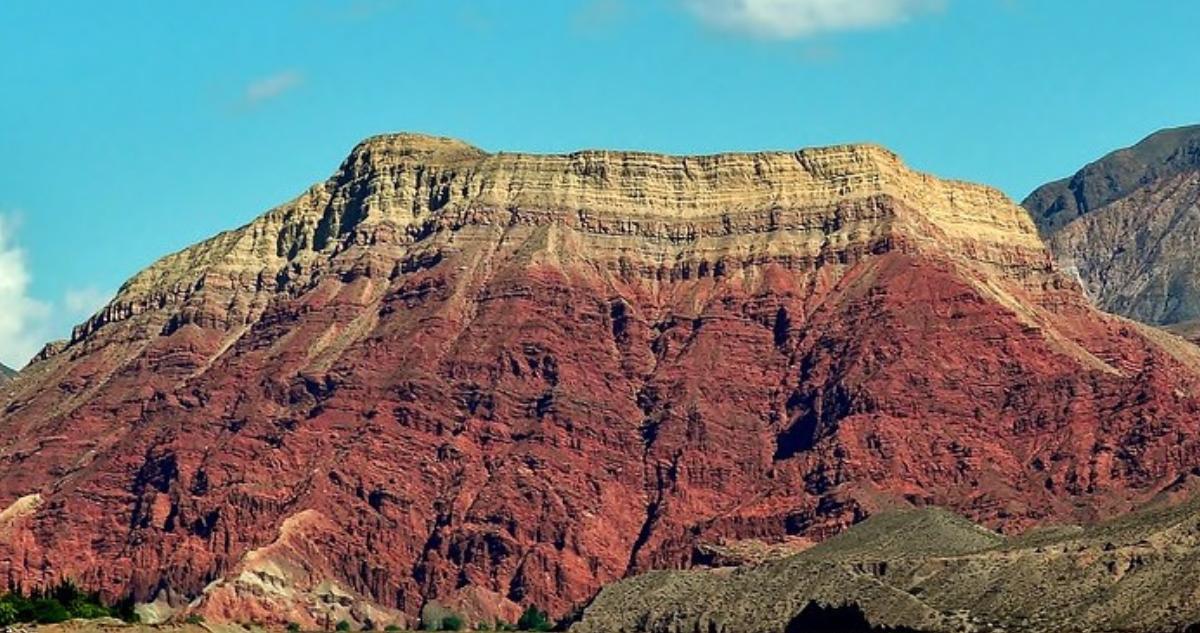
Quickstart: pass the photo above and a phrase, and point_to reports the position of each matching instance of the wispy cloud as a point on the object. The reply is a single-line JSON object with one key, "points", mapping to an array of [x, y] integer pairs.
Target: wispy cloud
{"points": [[81, 303], [598, 15], [266, 88], [23, 327], [26, 323], [789, 19]]}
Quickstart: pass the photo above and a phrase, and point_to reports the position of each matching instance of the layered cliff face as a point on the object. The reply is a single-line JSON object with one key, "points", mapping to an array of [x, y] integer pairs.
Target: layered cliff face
{"points": [[490, 380], [1128, 226]]}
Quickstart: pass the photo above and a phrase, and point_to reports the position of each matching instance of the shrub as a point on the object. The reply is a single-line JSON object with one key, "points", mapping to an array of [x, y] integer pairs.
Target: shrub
{"points": [[88, 610], [452, 622], [62, 602], [49, 611], [194, 618], [293, 627], [534, 619], [342, 625], [124, 611], [391, 628], [19, 605]]}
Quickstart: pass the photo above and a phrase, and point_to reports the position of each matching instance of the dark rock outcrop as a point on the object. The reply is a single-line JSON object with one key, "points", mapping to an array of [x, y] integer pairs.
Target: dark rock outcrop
{"points": [[1160, 156]]}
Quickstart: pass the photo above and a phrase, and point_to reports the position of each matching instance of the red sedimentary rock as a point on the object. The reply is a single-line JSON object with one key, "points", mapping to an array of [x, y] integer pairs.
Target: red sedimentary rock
{"points": [[488, 381]]}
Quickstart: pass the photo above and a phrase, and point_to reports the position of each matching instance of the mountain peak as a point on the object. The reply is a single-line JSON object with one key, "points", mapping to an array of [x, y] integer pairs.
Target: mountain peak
{"points": [[1160, 155], [492, 380], [1125, 226], [414, 144]]}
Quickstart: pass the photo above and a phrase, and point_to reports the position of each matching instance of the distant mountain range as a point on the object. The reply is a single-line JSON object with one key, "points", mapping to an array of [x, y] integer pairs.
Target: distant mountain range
{"points": [[1128, 226], [447, 380]]}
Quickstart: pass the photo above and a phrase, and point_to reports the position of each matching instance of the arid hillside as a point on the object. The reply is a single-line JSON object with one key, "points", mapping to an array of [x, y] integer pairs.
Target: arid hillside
{"points": [[929, 570]]}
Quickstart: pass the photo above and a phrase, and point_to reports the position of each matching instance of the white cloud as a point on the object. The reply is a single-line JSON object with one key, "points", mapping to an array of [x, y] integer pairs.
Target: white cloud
{"points": [[81, 303], [267, 88], [787, 19], [23, 319]]}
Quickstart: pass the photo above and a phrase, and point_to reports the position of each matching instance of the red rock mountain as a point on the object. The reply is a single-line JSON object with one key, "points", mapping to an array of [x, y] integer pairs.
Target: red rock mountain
{"points": [[490, 380]]}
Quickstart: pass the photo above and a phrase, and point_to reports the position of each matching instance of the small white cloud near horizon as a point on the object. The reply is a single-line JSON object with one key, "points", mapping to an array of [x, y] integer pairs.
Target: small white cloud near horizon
{"points": [[82, 303], [791, 19], [264, 89], [23, 319]]}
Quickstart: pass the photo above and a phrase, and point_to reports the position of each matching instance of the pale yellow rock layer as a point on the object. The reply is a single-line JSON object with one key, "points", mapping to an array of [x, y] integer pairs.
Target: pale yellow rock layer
{"points": [[656, 209]]}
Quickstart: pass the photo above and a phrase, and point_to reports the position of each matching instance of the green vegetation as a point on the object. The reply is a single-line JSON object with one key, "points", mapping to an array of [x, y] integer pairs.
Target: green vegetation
{"points": [[342, 625], [194, 618], [391, 628], [292, 627], [534, 619], [64, 602], [435, 617]]}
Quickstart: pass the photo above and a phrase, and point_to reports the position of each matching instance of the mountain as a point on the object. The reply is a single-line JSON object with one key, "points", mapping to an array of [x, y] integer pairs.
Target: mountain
{"points": [[6, 374], [928, 570], [1128, 225], [449, 379]]}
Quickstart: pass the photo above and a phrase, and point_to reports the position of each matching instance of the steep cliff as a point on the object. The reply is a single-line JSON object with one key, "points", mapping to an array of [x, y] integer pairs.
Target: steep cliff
{"points": [[490, 380]]}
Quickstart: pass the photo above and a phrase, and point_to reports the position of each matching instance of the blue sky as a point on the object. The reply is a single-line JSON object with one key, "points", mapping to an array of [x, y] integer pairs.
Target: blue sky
{"points": [[131, 129]]}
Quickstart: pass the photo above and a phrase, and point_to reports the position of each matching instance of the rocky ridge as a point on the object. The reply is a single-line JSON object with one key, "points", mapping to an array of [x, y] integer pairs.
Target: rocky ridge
{"points": [[1128, 227], [490, 380]]}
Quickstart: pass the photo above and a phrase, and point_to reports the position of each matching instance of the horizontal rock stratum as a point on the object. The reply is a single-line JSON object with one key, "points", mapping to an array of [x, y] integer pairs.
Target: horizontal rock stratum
{"points": [[492, 380]]}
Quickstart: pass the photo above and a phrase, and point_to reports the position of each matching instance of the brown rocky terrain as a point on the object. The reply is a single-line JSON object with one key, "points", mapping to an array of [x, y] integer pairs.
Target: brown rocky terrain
{"points": [[491, 380], [1128, 226], [929, 570]]}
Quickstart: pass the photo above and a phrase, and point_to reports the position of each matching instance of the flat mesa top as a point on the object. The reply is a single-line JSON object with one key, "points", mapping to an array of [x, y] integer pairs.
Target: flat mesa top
{"points": [[418, 144], [408, 169], [443, 150], [626, 180], [405, 180]]}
